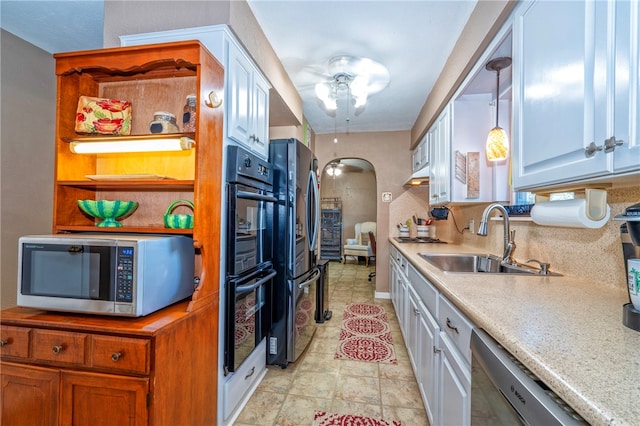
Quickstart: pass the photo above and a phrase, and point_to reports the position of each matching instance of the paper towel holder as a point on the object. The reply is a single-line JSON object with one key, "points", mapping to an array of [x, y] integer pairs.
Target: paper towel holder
{"points": [[596, 199]]}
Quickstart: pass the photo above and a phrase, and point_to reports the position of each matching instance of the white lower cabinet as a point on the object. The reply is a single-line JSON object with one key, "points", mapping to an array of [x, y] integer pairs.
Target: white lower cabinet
{"points": [[454, 386], [437, 337]]}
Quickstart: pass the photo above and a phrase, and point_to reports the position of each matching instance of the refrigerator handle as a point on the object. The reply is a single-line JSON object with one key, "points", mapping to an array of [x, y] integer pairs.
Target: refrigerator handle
{"points": [[312, 228], [313, 277]]}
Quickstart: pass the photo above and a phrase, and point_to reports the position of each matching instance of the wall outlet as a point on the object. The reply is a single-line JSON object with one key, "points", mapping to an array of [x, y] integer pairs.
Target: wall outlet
{"points": [[472, 226]]}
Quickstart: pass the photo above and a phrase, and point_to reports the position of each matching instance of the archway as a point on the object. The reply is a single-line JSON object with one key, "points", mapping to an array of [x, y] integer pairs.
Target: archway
{"points": [[348, 192]]}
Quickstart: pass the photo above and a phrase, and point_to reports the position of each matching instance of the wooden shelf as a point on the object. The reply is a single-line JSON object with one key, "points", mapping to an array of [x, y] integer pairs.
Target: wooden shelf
{"points": [[131, 184], [160, 229]]}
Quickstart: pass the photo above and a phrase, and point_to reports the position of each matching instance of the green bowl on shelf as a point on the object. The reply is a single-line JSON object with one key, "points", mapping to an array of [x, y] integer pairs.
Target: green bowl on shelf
{"points": [[108, 211]]}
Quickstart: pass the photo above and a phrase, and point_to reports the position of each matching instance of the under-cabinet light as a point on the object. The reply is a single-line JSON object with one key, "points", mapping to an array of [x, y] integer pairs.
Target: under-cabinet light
{"points": [[134, 144]]}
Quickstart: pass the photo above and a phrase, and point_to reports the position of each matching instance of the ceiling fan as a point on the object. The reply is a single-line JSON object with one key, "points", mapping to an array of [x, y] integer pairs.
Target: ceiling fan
{"points": [[337, 167], [351, 78]]}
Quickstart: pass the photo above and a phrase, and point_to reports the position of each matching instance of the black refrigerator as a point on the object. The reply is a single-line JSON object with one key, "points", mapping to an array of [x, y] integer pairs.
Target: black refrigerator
{"points": [[295, 244]]}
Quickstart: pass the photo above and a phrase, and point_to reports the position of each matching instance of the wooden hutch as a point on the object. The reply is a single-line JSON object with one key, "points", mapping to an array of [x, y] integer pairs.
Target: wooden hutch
{"points": [[160, 369]]}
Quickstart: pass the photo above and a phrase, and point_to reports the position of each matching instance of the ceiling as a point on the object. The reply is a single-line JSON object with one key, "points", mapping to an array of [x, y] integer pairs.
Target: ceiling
{"points": [[413, 39]]}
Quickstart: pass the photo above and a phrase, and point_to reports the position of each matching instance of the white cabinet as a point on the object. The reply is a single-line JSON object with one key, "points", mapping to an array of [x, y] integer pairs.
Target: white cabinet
{"points": [[248, 98], [439, 141], [422, 339], [399, 291], [420, 155], [454, 386], [246, 94], [575, 90], [437, 337]]}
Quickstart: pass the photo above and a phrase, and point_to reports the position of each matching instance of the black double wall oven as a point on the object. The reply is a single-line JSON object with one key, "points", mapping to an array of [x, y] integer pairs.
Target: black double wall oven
{"points": [[249, 266]]}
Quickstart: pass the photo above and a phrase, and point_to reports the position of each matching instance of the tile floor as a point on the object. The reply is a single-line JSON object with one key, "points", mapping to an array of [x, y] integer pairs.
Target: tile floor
{"points": [[317, 381]]}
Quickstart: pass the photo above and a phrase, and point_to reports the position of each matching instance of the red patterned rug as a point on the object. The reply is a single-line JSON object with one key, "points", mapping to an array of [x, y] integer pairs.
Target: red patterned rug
{"points": [[365, 335], [322, 418]]}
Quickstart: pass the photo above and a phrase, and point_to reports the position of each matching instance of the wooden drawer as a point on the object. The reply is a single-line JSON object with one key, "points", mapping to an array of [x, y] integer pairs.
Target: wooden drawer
{"points": [[455, 325], [121, 353], [58, 346], [14, 341]]}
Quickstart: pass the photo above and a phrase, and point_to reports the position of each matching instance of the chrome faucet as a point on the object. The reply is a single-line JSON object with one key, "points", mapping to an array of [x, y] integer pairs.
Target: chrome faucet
{"points": [[509, 235]]}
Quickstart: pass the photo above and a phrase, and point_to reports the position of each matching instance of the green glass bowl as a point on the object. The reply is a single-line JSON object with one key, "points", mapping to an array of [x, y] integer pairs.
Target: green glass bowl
{"points": [[108, 211]]}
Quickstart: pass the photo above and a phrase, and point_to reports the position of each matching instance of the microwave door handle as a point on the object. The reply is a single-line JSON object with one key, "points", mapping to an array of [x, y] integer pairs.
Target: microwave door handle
{"points": [[250, 287], [259, 197]]}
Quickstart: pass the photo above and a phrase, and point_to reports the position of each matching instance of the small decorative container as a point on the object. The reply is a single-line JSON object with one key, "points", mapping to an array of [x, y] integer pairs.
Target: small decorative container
{"points": [[163, 122], [423, 231], [178, 221], [404, 232], [108, 211], [103, 116], [189, 115]]}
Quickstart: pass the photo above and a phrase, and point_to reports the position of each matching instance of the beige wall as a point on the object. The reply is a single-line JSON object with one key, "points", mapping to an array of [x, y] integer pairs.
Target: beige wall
{"points": [[357, 192], [27, 143], [388, 152]]}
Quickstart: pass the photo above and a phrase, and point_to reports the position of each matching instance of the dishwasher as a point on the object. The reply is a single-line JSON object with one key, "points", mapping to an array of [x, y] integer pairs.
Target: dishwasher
{"points": [[505, 392]]}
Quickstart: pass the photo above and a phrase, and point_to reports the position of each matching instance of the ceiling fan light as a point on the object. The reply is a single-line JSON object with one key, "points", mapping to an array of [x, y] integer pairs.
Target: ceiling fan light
{"points": [[325, 94], [360, 101], [497, 144]]}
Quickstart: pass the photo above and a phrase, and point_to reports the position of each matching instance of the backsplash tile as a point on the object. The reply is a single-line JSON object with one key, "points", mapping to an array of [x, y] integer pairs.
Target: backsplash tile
{"points": [[592, 254]]}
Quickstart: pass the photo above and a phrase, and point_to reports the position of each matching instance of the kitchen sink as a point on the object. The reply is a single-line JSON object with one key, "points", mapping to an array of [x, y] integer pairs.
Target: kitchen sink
{"points": [[478, 263]]}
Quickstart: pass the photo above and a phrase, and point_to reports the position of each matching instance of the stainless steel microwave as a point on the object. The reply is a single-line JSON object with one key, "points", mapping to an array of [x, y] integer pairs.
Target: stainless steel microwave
{"points": [[106, 274]]}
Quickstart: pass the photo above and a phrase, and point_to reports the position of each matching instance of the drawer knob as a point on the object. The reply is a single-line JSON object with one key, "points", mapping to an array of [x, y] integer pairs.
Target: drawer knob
{"points": [[3, 343], [57, 349], [116, 356], [452, 327]]}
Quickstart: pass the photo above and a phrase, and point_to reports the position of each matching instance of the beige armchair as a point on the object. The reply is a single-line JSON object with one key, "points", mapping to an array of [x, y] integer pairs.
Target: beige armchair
{"points": [[360, 245]]}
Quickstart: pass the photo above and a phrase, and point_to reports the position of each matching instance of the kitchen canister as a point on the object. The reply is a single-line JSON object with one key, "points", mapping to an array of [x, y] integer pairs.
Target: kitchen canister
{"points": [[423, 231], [178, 221], [633, 280], [404, 232]]}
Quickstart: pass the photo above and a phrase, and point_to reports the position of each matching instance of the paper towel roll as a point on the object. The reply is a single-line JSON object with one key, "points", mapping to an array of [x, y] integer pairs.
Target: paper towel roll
{"points": [[568, 213]]}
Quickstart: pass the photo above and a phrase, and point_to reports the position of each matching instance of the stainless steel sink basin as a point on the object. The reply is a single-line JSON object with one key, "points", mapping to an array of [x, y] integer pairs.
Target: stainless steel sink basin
{"points": [[477, 263]]}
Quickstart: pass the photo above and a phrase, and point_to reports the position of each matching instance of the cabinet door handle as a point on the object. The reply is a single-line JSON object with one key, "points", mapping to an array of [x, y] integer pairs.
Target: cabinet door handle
{"points": [[417, 312], [611, 144], [452, 327], [590, 151], [57, 349], [115, 357], [253, 370], [3, 343]]}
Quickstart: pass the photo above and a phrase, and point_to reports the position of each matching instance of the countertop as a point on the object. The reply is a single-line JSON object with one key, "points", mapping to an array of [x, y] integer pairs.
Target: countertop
{"points": [[569, 332]]}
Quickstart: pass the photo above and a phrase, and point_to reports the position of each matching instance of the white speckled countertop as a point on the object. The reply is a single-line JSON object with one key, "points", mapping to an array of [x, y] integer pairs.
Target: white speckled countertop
{"points": [[567, 331]]}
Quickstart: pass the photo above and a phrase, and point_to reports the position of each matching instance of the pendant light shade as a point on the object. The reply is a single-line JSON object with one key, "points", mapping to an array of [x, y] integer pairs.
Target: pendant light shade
{"points": [[497, 141]]}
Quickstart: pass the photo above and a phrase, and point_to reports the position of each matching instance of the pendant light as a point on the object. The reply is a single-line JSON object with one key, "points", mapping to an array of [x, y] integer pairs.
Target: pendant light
{"points": [[497, 141]]}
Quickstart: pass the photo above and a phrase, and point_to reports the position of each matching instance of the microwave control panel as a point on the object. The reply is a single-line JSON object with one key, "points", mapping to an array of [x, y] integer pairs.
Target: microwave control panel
{"points": [[124, 282]]}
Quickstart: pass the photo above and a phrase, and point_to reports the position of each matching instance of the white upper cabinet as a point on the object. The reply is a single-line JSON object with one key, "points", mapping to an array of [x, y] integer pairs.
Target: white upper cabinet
{"points": [[439, 141], [576, 91], [247, 120], [420, 155], [246, 98]]}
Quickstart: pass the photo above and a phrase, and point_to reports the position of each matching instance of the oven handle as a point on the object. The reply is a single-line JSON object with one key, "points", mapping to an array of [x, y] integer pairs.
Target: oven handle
{"points": [[244, 288], [314, 276], [259, 197]]}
